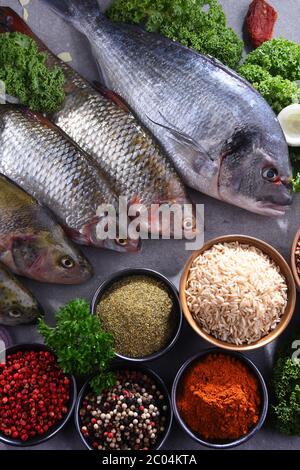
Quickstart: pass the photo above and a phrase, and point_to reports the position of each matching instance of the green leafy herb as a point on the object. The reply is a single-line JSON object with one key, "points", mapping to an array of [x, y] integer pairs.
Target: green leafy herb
{"points": [[26, 76], [80, 343], [199, 24], [278, 56], [286, 393], [273, 69], [279, 92], [295, 159]]}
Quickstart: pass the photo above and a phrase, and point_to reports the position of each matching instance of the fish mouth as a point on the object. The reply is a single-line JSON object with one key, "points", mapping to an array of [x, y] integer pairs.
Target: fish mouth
{"points": [[272, 209]]}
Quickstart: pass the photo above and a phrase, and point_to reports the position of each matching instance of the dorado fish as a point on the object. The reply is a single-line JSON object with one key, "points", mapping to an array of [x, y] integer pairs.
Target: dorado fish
{"points": [[32, 243], [126, 154], [37, 156], [222, 136], [17, 304]]}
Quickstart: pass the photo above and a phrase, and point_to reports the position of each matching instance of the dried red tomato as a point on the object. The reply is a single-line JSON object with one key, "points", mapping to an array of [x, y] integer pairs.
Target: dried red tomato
{"points": [[260, 22]]}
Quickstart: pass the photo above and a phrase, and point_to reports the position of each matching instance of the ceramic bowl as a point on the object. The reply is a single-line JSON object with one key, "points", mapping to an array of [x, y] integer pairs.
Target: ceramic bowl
{"points": [[285, 270]]}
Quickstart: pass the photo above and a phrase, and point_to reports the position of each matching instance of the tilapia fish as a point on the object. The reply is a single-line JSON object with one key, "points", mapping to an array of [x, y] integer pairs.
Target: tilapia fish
{"points": [[32, 243], [129, 158], [37, 156], [222, 136], [17, 304]]}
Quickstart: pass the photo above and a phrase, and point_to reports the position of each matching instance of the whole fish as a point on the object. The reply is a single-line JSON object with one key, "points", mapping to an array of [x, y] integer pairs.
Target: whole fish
{"points": [[32, 243], [222, 136], [127, 155], [17, 304], [37, 156]]}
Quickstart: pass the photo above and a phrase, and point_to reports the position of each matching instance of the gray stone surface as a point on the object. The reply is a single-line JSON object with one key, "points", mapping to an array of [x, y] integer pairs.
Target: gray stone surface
{"points": [[167, 257]]}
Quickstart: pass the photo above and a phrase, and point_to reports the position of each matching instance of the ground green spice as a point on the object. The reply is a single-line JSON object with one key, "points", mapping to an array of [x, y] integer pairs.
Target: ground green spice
{"points": [[138, 311]]}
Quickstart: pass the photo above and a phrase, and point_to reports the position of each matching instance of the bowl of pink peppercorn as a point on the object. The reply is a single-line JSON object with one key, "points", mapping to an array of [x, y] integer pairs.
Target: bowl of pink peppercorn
{"points": [[36, 397]]}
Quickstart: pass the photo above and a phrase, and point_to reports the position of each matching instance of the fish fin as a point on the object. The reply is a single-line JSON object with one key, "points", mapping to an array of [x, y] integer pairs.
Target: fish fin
{"points": [[111, 95], [74, 10], [188, 147]]}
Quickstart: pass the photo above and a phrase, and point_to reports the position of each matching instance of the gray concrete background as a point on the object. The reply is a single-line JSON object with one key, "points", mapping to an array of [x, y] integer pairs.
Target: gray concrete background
{"points": [[167, 257]]}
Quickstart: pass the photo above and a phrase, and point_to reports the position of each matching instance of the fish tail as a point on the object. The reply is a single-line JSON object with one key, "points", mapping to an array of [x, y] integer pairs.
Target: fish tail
{"points": [[74, 11]]}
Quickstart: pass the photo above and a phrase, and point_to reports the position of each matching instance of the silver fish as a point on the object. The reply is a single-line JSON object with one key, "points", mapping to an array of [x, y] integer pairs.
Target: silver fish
{"points": [[127, 155], [37, 156], [17, 304], [222, 136], [32, 243]]}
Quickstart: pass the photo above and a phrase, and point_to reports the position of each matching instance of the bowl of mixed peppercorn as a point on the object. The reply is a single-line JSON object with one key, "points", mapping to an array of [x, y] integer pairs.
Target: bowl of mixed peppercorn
{"points": [[295, 259], [134, 413], [141, 308], [37, 398]]}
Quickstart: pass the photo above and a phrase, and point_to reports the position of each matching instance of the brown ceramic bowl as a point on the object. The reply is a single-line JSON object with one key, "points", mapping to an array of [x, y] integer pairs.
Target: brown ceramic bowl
{"points": [[285, 270], [293, 259]]}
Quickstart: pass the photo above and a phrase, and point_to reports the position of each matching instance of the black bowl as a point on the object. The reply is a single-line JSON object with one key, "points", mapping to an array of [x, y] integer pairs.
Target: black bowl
{"points": [[121, 366], [54, 429], [177, 311], [263, 390]]}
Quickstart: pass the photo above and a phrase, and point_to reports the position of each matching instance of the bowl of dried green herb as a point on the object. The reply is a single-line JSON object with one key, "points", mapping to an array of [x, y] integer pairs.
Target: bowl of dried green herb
{"points": [[141, 308]]}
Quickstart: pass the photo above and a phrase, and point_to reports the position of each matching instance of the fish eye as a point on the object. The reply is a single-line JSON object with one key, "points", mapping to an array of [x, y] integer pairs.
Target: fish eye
{"points": [[14, 313], [121, 241], [188, 223], [270, 174], [67, 262]]}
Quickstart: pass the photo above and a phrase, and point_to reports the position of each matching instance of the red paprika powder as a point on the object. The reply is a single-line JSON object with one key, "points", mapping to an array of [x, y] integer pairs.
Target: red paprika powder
{"points": [[219, 398]]}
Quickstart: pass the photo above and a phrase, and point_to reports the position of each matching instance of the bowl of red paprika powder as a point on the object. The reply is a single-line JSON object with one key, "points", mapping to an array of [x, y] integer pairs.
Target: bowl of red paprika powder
{"points": [[37, 398], [220, 398]]}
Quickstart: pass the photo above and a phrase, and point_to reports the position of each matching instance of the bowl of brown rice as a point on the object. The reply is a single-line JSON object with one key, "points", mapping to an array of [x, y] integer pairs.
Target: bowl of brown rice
{"points": [[237, 292]]}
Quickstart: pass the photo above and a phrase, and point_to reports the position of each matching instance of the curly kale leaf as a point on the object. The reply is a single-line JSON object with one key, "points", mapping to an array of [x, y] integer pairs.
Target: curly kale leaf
{"points": [[286, 399], [277, 91], [26, 76], [199, 24], [295, 159], [278, 56]]}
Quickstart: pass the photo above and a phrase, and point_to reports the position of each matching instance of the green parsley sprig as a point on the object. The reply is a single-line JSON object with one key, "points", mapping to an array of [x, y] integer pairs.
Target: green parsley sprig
{"points": [[80, 344]]}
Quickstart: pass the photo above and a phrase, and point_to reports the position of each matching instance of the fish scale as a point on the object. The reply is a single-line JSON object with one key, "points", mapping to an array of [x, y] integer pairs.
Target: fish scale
{"points": [[32, 243], [17, 304], [128, 158], [221, 135], [41, 160], [125, 153]]}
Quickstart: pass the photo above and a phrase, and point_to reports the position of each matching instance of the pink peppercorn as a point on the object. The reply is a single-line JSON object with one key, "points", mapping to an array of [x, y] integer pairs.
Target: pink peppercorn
{"points": [[34, 394]]}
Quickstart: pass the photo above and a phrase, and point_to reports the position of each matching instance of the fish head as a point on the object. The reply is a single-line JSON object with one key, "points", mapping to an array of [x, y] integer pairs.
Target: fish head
{"points": [[170, 218], [111, 233], [122, 245], [50, 257], [255, 172], [17, 305]]}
